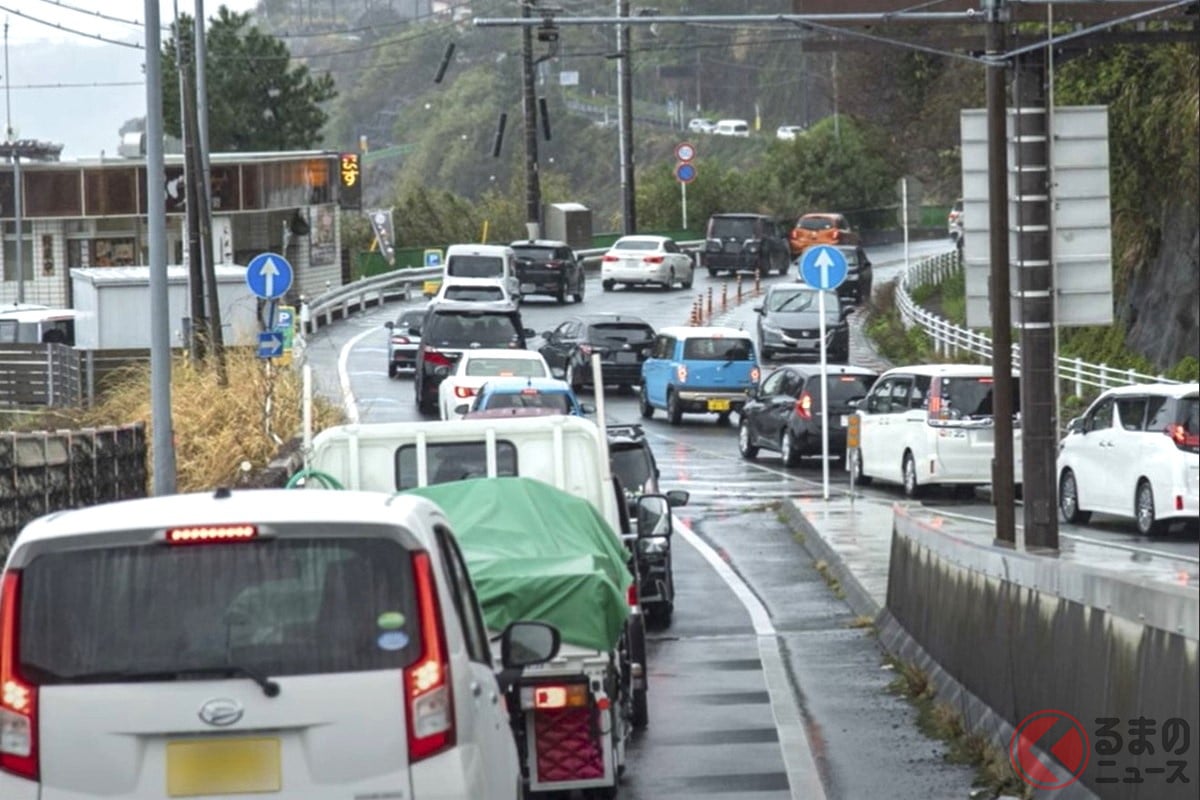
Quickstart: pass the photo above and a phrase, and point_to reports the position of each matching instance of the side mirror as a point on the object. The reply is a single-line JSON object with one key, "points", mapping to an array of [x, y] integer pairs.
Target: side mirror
{"points": [[756, 309], [547, 335], [854, 403], [441, 371], [653, 515], [389, 325], [1076, 426], [528, 333], [587, 408], [414, 331], [524, 644], [678, 497]]}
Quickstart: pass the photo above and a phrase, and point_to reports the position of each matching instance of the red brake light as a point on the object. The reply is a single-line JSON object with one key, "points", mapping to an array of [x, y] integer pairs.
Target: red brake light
{"points": [[435, 359], [610, 258], [430, 706], [18, 697], [554, 696], [553, 264], [464, 391], [652, 259], [681, 373], [400, 340], [804, 406], [754, 374], [631, 595], [210, 534], [984, 380]]}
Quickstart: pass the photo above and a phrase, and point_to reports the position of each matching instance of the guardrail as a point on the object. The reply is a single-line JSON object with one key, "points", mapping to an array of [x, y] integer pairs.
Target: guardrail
{"points": [[360, 295], [949, 340]]}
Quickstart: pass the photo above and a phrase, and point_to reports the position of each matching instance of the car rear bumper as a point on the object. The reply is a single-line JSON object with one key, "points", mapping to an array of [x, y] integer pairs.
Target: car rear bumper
{"points": [[694, 400], [622, 274], [615, 373], [735, 261], [404, 359], [542, 281]]}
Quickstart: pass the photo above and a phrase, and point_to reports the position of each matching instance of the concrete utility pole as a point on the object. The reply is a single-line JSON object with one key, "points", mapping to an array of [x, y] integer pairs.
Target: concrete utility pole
{"points": [[198, 332], [163, 438], [1003, 489], [625, 121], [200, 164], [1035, 290], [533, 188]]}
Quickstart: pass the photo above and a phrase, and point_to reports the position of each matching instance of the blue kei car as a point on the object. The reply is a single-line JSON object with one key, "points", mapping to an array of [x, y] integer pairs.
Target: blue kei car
{"points": [[703, 370]]}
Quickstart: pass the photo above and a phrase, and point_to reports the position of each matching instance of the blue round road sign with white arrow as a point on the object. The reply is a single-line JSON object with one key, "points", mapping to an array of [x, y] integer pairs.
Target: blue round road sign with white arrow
{"points": [[823, 266], [269, 275]]}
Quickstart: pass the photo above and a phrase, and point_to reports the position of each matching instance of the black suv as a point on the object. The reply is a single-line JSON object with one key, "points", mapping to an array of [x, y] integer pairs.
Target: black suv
{"points": [[449, 328], [623, 342], [549, 267], [751, 242], [859, 275]]}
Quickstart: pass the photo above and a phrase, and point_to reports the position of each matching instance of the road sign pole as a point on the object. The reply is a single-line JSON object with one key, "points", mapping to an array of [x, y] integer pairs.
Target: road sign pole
{"points": [[824, 389], [683, 201]]}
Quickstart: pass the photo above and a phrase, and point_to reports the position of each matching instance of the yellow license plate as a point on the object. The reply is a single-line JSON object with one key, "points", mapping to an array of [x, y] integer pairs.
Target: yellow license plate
{"points": [[430, 288], [222, 766], [718, 405]]}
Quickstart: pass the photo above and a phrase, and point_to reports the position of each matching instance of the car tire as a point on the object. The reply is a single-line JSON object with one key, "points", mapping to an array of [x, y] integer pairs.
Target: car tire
{"points": [[670, 284], [712, 273], [691, 278], [1068, 500], [561, 295], [746, 445], [1143, 511], [392, 369], [607, 285], [860, 479], [579, 294], [674, 411], [908, 471], [640, 717], [787, 449], [644, 407]]}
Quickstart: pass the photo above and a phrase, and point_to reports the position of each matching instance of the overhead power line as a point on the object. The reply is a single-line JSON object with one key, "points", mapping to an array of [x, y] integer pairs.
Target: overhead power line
{"points": [[74, 31], [98, 14]]}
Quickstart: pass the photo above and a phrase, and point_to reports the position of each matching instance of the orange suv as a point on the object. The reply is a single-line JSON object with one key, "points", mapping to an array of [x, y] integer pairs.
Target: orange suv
{"points": [[820, 229]]}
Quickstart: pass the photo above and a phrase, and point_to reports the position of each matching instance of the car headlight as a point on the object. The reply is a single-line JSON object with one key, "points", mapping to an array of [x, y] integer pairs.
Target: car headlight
{"points": [[771, 328]]}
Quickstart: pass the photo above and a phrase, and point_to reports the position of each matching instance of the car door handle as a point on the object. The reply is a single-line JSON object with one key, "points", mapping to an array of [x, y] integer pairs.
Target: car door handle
{"points": [[494, 697], [476, 689]]}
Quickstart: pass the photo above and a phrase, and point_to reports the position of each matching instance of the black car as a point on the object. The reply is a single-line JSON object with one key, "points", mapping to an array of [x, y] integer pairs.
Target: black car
{"points": [[789, 323], [404, 337], [632, 460], [549, 267], [785, 412], [859, 275], [449, 328], [753, 242], [622, 341]]}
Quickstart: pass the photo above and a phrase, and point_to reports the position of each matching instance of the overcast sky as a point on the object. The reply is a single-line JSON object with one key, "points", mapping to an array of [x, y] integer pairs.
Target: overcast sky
{"points": [[76, 80]]}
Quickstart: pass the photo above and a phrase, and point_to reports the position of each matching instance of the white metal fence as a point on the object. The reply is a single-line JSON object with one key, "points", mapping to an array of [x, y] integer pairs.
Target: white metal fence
{"points": [[949, 340]]}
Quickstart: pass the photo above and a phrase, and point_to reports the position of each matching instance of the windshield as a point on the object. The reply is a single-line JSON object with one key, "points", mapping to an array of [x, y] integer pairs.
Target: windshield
{"points": [[718, 349], [275, 606], [471, 330], [555, 401], [507, 367], [475, 293], [475, 267], [620, 332], [631, 464], [732, 228], [453, 461], [801, 299], [971, 398]]}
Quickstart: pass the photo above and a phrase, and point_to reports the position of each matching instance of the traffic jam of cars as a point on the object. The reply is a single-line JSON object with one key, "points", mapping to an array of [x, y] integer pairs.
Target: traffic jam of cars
{"points": [[479, 583]]}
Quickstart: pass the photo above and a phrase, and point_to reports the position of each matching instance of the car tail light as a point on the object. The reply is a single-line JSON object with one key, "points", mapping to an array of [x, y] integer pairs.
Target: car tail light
{"points": [[652, 259], [18, 696], [464, 391], [631, 595], [1179, 502], [610, 258], [804, 406], [211, 534], [555, 696], [755, 374], [435, 359], [837, 236], [1182, 439], [553, 264], [429, 703], [400, 340], [681, 373]]}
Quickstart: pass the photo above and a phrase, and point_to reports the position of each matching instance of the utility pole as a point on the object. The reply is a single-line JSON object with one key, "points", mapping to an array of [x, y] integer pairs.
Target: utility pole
{"points": [[160, 329], [198, 338], [533, 189], [204, 195], [1003, 490], [625, 121], [16, 162]]}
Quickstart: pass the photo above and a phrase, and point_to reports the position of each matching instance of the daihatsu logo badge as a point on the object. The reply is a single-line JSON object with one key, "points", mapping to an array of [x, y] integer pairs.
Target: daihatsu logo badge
{"points": [[221, 712]]}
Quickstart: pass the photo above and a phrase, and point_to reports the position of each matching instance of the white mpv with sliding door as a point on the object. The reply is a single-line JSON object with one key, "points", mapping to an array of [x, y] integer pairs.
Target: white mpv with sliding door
{"points": [[931, 424]]}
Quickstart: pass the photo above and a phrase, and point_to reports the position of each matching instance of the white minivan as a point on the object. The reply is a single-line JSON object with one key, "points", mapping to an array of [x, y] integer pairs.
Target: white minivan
{"points": [[299, 644], [932, 424], [494, 261], [732, 127]]}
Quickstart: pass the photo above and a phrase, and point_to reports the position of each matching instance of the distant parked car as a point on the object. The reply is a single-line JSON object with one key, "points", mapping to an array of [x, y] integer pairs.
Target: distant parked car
{"points": [[404, 337], [789, 323], [732, 127], [785, 413], [788, 133], [1134, 453], [622, 341], [646, 260], [549, 267], [701, 125], [821, 228], [753, 242]]}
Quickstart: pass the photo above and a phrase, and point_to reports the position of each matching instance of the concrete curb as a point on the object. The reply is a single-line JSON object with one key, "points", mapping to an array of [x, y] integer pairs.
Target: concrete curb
{"points": [[856, 595]]}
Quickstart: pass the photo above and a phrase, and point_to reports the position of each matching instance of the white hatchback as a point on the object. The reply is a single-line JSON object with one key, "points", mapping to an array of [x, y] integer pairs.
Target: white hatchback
{"points": [[302, 643], [475, 290], [1134, 453], [931, 424], [646, 260], [477, 367]]}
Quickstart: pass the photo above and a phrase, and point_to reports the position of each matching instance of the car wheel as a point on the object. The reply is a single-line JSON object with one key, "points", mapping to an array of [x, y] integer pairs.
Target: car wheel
{"points": [[561, 295], [712, 273], [1068, 500], [644, 407], [640, 717], [912, 488], [607, 285], [746, 444], [859, 478], [1143, 510], [670, 280], [787, 449], [392, 369], [674, 412], [691, 278]]}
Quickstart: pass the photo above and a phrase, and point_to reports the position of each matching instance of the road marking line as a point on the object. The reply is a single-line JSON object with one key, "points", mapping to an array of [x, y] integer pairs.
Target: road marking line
{"points": [[348, 400], [804, 780]]}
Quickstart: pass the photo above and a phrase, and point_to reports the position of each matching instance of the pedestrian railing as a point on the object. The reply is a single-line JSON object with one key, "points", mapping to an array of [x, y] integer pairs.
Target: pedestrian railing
{"points": [[950, 340]]}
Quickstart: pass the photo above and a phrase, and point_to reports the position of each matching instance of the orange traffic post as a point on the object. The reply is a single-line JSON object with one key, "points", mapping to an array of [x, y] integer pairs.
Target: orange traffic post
{"points": [[724, 295], [757, 283], [710, 302], [739, 288]]}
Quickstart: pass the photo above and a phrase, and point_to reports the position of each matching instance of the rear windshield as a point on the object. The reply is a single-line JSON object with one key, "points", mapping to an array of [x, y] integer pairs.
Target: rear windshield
{"points": [[971, 398], [468, 329], [630, 463], [717, 349], [620, 332], [285, 606], [636, 244], [475, 293], [453, 461], [732, 228], [475, 267], [555, 401], [411, 319], [815, 224], [514, 367], [536, 253], [843, 388]]}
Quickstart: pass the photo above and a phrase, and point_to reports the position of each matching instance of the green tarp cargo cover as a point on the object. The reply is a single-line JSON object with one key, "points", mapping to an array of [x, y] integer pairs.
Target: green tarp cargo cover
{"points": [[537, 553]]}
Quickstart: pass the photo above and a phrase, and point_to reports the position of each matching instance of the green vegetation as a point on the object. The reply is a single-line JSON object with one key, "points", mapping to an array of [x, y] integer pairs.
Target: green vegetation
{"points": [[823, 569]]}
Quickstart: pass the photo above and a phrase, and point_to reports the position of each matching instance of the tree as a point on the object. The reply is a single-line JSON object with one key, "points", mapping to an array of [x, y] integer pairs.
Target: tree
{"points": [[257, 101]]}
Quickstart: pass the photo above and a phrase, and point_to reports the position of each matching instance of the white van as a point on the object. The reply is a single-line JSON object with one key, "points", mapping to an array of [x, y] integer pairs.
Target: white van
{"points": [[732, 127], [474, 261], [932, 424], [33, 324]]}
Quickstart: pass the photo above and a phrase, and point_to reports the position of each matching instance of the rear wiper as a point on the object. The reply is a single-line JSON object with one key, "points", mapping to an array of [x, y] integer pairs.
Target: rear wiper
{"points": [[269, 687]]}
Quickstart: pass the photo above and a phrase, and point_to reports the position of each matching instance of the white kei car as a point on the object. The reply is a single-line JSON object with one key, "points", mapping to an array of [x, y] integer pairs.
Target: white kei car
{"points": [[477, 367], [646, 260], [284, 643]]}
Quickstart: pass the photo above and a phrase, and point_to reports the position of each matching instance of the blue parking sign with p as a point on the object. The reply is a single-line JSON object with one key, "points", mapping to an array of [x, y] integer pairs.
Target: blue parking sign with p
{"points": [[433, 258]]}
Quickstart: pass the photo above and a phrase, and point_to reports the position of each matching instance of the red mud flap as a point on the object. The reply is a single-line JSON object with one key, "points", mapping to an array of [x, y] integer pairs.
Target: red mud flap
{"points": [[566, 747]]}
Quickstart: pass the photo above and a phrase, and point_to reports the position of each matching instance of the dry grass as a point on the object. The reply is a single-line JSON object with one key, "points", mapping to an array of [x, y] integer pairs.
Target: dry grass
{"points": [[216, 427]]}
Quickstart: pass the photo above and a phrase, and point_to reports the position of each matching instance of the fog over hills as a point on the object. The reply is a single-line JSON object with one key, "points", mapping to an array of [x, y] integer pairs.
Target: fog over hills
{"points": [[58, 94]]}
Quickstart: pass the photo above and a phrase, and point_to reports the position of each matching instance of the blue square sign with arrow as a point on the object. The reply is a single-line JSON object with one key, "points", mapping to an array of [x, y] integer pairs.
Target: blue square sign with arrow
{"points": [[823, 267], [270, 344]]}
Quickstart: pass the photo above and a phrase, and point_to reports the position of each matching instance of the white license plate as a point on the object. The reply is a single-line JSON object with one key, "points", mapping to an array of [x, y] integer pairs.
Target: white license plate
{"points": [[527, 287], [844, 420], [626, 358]]}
